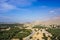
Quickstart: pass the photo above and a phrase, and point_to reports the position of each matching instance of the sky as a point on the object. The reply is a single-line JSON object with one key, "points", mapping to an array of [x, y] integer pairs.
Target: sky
{"points": [[21, 11]]}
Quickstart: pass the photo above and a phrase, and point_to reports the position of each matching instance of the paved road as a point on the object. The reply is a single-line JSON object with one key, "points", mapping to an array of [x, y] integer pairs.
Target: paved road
{"points": [[28, 37], [33, 34]]}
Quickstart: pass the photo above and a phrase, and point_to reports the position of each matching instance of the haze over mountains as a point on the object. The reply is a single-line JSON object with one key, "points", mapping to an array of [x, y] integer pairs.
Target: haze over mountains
{"points": [[55, 20]]}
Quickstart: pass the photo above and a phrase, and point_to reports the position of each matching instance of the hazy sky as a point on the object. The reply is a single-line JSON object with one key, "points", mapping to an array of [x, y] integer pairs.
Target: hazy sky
{"points": [[28, 10]]}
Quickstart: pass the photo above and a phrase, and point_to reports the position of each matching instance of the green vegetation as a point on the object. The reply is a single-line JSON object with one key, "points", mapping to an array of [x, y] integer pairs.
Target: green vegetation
{"points": [[23, 33], [13, 32], [7, 35], [45, 38], [31, 37], [55, 33], [39, 27], [54, 26], [10, 25]]}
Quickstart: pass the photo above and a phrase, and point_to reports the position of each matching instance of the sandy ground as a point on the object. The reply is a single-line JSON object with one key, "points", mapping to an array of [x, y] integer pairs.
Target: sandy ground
{"points": [[37, 35]]}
